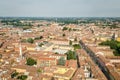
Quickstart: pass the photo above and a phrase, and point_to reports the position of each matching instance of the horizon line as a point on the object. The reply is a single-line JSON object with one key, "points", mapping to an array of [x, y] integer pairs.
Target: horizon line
{"points": [[60, 16]]}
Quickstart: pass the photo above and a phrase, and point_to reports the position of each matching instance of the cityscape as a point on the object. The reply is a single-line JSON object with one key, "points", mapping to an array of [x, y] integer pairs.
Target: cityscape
{"points": [[59, 47]]}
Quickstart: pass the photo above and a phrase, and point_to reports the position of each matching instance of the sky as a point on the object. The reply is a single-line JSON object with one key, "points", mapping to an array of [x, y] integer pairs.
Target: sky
{"points": [[60, 8]]}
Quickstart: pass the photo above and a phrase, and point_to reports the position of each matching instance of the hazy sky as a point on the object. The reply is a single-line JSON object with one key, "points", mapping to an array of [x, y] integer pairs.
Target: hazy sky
{"points": [[60, 8]]}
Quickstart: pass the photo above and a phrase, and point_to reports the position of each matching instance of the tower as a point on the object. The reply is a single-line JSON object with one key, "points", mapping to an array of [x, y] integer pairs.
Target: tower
{"points": [[20, 57], [20, 54], [20, 47], [113, 36]]}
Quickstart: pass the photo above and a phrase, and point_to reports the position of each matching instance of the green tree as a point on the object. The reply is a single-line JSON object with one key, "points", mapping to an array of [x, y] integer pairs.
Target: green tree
{"points": [[40, 45], [31, 62], [56, 53], [41, 37], [61, 61], [39, 71], [75, 39], [23, 40], [0, 56], [76, 46], [24, 27], [22, 77], [63, 35], [37, 38], [71, 55], [70, 29], [70, 42], [30, 40], [115, 45], [64, 28], [14, 74]]}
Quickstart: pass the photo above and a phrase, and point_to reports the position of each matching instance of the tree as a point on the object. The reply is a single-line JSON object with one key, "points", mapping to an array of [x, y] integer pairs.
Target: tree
{"points": [[25, 27], [23, 40], [70, 29], [30, 40], [12, 62], [71, 55], [70, 42], [39, 71], [115, 45], [40, 45], [56, 53], [64, 28], [114, 26], [31, 62], [74, 29], [76, 46], [61, 61], [75, 39], [14, 74], [0, 56], [22, 77], [41, 37], [37, 38], [63, 35]]}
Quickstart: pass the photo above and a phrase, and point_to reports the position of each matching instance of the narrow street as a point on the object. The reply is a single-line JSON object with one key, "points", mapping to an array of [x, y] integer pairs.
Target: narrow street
{"points": [[78, 63], [96, 61]]}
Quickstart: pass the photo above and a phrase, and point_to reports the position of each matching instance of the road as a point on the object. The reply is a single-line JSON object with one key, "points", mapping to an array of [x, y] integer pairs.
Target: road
{"points": [[96, 61]]}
